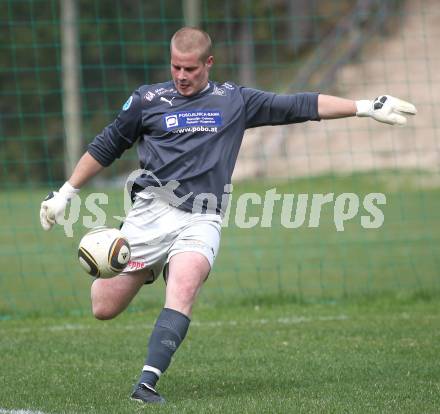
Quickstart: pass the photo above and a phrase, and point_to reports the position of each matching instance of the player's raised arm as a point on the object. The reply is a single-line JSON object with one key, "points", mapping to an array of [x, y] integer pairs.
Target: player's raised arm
{"points": [[384, 108], [55, 203]]}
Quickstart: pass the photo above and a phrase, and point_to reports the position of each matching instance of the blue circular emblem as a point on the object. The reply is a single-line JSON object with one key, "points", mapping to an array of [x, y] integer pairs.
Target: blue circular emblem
{"points": [[127, 103]]}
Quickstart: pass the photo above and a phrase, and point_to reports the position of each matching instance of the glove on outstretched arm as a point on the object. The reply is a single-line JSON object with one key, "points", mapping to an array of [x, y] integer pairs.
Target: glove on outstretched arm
{"points": [[54, 205], [386, 109]]}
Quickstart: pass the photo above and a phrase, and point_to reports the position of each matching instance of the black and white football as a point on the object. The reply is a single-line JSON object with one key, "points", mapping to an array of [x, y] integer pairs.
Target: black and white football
{"points": [[104, 252]]}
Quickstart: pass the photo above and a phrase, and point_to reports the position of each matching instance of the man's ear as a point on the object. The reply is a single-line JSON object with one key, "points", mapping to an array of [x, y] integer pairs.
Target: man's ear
{"points": [[209, 61]]}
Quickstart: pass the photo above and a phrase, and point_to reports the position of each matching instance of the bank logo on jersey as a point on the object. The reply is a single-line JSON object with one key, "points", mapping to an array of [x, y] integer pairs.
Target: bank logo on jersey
{"points": [[171, 121], [127, 103], [193, 119]]}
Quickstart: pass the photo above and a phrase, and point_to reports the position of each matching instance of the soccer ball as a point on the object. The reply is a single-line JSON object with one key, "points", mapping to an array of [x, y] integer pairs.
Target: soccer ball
{"points": [[104, 252]]}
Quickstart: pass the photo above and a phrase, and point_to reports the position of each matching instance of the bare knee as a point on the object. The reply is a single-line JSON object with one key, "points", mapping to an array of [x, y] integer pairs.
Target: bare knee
{"points": [[102, 312], [186, 293], [187, 273], [103, 315], [102, 307], [112, 296]]}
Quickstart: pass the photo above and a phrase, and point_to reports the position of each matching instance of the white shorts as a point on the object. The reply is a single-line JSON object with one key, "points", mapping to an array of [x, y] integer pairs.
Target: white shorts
{"points": [[157, 231]]}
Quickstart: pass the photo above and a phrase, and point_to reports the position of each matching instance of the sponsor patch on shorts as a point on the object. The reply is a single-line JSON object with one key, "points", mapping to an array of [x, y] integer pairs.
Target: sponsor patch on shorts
{"points": [[134, 265]]}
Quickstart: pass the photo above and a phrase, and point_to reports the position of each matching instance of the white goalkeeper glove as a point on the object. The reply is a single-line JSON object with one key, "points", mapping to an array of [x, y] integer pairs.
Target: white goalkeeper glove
{"points": [[386, 109], [54, 205]]}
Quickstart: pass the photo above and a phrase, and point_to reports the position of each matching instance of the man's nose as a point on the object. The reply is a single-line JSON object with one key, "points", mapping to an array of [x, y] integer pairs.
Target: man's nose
{"points": [[181, 75]]}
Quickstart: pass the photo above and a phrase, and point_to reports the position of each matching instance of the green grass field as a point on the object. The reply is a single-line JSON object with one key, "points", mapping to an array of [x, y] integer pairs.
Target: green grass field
{"points": [[374, 356], [291, 320]]}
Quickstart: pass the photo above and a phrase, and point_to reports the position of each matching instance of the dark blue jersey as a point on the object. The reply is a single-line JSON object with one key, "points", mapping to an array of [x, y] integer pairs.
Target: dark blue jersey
{"points": [[194, 140]]}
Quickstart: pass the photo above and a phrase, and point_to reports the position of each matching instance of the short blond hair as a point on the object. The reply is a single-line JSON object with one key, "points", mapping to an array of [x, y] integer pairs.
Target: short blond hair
{"points": [[190, 39]]}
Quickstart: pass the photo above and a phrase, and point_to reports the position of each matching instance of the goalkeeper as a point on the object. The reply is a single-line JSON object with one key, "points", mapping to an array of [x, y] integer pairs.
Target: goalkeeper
{"points": [[188, 131]]}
